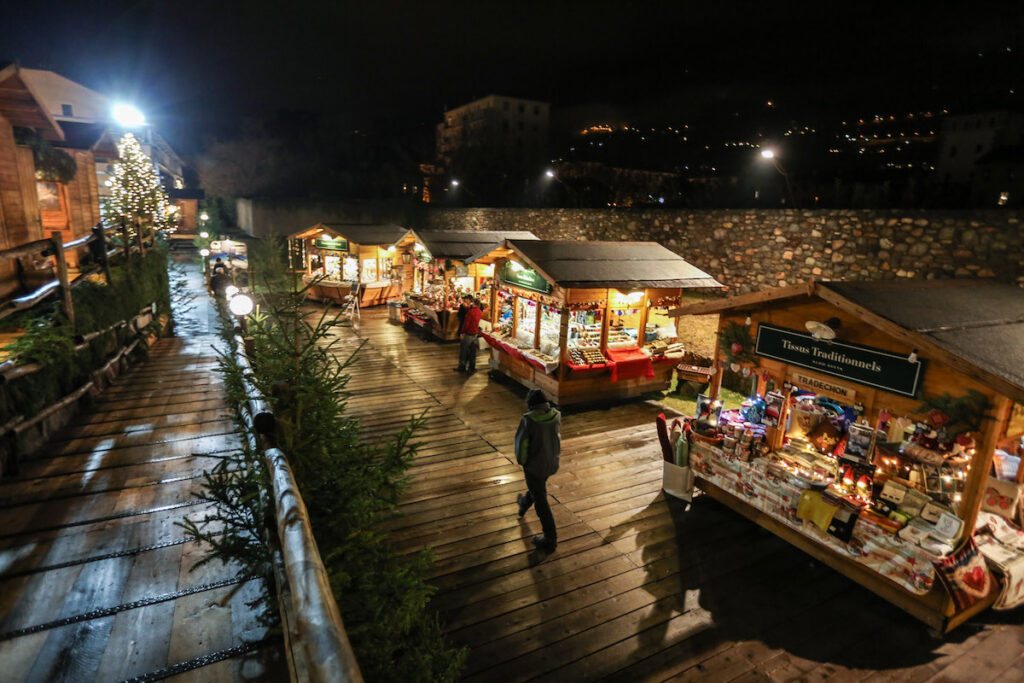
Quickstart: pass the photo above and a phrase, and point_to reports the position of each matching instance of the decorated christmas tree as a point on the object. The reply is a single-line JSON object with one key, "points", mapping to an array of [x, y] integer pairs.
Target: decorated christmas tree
{"points": [[136, 194]]}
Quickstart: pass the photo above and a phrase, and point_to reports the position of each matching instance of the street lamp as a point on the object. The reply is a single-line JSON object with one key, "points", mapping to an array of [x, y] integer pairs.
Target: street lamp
{"points": [[204, 216], [455, 183], [769, 154], [128, 116], [551, 175], [204, 234], [204, 252]]}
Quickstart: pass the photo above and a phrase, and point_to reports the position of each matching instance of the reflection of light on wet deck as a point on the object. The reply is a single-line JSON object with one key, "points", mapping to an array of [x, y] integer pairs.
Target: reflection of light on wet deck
{"points": [[10, 556], [133, 430], [98, 451]]}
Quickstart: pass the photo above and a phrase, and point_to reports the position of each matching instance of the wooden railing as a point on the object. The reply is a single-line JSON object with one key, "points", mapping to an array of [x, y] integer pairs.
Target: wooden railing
{"points": [[56, 247], [317, 647]]}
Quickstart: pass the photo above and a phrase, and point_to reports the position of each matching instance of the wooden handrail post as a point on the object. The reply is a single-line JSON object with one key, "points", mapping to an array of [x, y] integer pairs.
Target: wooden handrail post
{"points": [[101, 240], [138, 236], [62, 276], [124, 238]]}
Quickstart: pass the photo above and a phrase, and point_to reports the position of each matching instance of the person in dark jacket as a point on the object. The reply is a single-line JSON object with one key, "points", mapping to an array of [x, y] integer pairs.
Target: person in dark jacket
{"points": [[538, 446]]}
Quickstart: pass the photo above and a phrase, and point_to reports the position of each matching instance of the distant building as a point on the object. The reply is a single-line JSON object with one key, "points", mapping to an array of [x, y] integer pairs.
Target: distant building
{"points": [[966, 138], [492, 145], [999, 178]]}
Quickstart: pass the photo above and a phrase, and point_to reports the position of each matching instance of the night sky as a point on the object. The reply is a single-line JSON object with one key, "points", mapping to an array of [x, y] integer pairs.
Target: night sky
{"points": [[198, 68]]}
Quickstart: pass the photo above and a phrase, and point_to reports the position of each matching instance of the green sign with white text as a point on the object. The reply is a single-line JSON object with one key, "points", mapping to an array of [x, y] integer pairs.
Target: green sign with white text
{"points": [[336, 244], [527, 278]]}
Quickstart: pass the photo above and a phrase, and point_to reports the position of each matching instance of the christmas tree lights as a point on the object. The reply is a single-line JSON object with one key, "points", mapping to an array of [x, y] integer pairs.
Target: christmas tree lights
{"points": [[136, 194]]}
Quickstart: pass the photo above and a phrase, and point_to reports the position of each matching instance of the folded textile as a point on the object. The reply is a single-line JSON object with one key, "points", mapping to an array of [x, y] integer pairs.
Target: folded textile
{"points": [[813, 509]]}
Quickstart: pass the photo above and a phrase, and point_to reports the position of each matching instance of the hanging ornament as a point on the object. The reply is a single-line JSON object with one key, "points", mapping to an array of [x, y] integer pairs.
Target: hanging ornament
{"points": [[735, 367], [745, 372]]}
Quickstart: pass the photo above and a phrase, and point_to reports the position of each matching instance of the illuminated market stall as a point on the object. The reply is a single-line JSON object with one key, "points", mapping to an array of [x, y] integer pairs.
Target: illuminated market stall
{"points": [[435, 274], [883, 437], [587, 321], [347, 258]]}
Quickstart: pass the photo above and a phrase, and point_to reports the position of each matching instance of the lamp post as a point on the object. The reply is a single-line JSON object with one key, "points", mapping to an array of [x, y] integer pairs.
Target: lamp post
{"points": [[551, 175], [771, 156]]}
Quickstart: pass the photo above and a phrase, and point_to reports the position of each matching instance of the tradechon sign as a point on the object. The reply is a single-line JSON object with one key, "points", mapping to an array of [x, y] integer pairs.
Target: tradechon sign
{"points": [[527, 278], [861, 364]]}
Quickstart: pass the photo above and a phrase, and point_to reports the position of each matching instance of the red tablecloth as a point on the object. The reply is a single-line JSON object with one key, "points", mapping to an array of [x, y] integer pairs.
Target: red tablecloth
{"points": [[587, 369], [507, 348], [630, 363]]}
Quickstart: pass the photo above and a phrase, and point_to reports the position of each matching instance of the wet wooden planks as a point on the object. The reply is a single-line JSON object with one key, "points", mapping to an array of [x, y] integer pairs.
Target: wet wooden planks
{"points": [[90, 523], [640, 588]]}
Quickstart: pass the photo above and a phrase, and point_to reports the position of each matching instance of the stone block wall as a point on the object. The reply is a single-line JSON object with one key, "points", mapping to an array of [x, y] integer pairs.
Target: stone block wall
{"points": [[748, 250]]}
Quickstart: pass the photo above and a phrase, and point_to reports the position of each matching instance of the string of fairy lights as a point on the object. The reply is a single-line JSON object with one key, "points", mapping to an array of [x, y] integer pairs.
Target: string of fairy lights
{"points": [[136, 193]]}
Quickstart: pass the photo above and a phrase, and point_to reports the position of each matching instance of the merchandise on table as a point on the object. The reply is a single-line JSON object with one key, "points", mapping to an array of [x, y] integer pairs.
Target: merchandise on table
{"points": [[877, 439]]}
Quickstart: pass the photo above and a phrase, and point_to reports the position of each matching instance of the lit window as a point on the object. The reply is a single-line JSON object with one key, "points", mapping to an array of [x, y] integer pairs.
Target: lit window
{"points": [[1004, 198]]}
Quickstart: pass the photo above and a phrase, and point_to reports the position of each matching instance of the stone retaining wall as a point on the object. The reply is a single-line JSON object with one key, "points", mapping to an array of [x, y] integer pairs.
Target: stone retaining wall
{"points": [[749, 250]]}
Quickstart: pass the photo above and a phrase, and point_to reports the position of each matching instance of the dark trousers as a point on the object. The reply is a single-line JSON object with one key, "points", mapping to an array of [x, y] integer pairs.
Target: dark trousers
{"points": [[537, 495], [467, 351]]}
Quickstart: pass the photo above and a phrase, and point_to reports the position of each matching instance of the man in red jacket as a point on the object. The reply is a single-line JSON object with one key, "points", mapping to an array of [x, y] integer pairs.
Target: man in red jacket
{"points": [[468, 333]]}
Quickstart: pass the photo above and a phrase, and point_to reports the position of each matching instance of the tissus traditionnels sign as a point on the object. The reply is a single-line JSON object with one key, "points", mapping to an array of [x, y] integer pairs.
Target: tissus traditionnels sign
{"points": [[862, 364]]}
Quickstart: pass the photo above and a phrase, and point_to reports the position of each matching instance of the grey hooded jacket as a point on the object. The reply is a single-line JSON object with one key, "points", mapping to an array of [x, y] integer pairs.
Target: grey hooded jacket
{"points": [[539, 440]]}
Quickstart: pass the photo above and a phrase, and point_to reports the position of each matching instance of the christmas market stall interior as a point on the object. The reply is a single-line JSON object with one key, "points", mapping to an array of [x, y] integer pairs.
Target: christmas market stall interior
{"points": [[587, 321], [345, 259], [435, 274], [882, 434]]}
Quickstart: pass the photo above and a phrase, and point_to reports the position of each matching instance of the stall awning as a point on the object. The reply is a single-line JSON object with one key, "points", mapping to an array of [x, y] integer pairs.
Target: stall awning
{"points": [[969, 324], [462, 244], [623, 265]]}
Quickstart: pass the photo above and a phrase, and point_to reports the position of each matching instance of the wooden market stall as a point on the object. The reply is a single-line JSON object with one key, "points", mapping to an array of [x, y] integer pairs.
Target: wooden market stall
{"points": [[881, 439], [349, 258], [586, 321], [435, 273]]}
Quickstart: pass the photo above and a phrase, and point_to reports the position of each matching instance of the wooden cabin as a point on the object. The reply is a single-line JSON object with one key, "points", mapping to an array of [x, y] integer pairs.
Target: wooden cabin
{"points": [[348, 258], [31, 207], [929, 376], [435, 273], [587, 321]]}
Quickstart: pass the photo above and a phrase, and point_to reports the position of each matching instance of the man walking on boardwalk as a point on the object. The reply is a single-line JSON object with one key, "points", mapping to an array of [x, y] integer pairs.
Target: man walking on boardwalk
{"points": [[468, 332], [538, 449]]}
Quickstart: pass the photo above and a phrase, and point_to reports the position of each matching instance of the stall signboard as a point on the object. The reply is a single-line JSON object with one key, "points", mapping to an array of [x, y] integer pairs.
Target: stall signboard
{"points": [[861, 364], [527, 278], [336, 244]]}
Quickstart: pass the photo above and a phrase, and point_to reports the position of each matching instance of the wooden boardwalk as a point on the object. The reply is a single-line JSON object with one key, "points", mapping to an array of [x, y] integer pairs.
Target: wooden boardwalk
{"points": [[640, 589], [89, 524]]}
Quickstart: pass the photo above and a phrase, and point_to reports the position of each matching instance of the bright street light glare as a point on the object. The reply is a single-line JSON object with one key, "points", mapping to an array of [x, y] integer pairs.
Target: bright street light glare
{"points": [[455, 183], [204, 252], [768, 153], [128, 116], [240, 304], [204, 216], [204, 234], [549, 173]]}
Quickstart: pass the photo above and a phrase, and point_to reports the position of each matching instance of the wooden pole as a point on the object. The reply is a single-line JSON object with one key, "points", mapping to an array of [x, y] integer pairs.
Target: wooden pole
{"points": [[101, 240], [981, 462], [563, 342], [125, 239], [644, 312], [536, 327], [62, 276], [605, 320], [138, 238]]}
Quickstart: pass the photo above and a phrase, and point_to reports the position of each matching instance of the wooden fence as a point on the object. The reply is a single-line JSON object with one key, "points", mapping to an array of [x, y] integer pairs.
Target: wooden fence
{"points": [[56, 247], [317, 647]]}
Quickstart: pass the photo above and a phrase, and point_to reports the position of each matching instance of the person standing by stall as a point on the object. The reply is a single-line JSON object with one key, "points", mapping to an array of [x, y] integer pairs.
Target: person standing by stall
{"points": [[538, 445], [469, 330]]}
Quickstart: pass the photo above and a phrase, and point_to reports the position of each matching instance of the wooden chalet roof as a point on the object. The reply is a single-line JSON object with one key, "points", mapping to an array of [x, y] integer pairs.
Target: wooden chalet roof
{"points": [[461, 244], [20, 105], [623, 265], [976, 326], [357, 233]]}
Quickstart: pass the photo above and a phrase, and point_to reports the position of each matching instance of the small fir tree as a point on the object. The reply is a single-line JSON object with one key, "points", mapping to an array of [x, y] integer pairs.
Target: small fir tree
{"points": [[136, 193]]}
